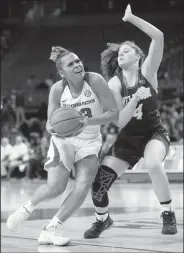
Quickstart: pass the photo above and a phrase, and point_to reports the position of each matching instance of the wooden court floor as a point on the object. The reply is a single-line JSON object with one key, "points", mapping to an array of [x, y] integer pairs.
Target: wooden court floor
{"points": [[133, 207]]}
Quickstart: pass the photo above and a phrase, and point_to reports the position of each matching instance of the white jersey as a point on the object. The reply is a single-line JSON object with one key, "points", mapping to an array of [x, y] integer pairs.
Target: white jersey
{"points": [[88, 104]]}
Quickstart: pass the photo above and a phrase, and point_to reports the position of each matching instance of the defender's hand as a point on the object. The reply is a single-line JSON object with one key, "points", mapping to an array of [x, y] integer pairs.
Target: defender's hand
{"points": [[143, 93], [128, 13]]}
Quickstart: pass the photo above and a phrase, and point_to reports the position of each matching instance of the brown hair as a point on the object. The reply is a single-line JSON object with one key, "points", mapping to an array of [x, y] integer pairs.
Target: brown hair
{"points": [[109, 58]]}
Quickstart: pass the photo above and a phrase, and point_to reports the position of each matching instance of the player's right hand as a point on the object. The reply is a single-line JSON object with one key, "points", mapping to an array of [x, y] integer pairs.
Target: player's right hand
{"points": [[128, 13], [50, 130], [143, 93]]}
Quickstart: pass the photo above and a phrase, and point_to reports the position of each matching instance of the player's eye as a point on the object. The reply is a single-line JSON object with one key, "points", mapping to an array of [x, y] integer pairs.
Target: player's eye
{"points": [[70, 64], [78, 60]]}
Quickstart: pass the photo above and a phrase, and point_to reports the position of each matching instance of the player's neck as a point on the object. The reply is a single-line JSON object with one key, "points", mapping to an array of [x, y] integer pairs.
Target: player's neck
{"points": [[76, 88], [130, 75], [130, 70]]}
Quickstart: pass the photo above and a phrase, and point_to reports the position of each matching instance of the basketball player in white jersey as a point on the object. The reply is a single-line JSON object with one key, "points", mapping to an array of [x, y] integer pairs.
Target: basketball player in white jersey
{"points": [[89, 94]]}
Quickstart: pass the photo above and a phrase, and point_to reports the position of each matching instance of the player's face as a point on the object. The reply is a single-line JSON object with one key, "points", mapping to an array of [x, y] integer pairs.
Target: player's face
{"points": [[127, 56], [72, 67]]}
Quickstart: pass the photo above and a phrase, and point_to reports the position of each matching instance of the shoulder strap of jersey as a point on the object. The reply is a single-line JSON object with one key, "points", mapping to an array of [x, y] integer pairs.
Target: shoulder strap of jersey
{"points": [[86, 78], [124, 91]]}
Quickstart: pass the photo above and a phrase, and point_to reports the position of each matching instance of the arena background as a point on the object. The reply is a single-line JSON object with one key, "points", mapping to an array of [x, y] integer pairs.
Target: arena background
{"points": [[28, 31]]}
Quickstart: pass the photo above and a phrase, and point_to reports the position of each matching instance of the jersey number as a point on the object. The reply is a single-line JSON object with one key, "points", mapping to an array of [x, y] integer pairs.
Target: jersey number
{"points": [[138, 112], [87, 112]]}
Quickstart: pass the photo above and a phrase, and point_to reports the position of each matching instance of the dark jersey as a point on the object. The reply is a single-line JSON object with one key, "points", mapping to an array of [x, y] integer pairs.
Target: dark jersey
{"points": [[146, 118]]}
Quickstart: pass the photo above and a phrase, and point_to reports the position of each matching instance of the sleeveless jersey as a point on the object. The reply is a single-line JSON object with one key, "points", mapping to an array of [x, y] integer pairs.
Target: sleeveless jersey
{"points": [[146, 117], [88, 104]]}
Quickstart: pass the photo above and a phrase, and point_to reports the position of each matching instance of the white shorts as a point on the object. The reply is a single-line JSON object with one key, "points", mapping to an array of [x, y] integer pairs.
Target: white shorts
{"points": [[70, 150]]}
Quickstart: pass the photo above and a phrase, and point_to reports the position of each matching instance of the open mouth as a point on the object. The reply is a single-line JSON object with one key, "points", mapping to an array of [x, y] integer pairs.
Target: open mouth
{"points": [[78, 71]]}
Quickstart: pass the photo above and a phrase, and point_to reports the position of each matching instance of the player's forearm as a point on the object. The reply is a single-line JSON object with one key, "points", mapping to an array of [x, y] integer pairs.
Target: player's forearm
{"points": [[127, 112], [51, 109], [103, 119], [146, 27]]}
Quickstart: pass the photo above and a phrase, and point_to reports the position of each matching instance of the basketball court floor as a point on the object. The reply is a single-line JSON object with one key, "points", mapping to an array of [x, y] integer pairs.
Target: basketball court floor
{"points": [[133, 207]]}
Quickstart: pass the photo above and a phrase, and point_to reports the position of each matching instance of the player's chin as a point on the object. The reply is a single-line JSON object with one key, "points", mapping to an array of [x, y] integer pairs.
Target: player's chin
{"points": [[80, 73]]}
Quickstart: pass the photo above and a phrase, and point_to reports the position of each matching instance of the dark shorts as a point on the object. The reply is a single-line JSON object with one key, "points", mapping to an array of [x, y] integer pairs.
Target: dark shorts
{"points": [[131, 148]]}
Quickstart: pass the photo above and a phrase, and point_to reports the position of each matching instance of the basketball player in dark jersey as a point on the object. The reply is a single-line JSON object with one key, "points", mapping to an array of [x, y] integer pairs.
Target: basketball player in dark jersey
{"points": [[143, 141]]}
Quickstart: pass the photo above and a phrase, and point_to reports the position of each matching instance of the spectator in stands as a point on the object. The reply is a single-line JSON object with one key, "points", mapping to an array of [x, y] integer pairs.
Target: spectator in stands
{"points": [[173, 117], [164, 117], [4, 43], [179, 122], [19, 109], [42, 114], [7, 118], [35, 127], [8, 36], [49, 81], [6, 150], [34, 163], [32, 82], [19, 156]]}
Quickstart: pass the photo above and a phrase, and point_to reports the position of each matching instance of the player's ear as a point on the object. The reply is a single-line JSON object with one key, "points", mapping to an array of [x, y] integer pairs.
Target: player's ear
{"points": [[61, 73], [138, 56]]}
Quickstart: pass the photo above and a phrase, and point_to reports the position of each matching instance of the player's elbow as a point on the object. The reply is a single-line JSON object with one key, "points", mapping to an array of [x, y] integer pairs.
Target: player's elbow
{"points": [[159, 36], [116, 113]]}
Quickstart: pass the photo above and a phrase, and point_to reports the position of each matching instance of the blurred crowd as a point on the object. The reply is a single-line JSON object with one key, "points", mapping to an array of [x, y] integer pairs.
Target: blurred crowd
{"points": [[8, 37], [24, 141], [172, 119]]}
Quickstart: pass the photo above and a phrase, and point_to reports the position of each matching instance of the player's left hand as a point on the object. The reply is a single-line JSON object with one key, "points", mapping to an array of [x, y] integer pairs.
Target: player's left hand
{"points": [[84, 122], [128, 13], [143, 93]]}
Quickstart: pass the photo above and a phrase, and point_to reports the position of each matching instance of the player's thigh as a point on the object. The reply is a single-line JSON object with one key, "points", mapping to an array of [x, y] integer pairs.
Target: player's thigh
{"points": [[86, 148], [116, 164], [60, 152], [58, 176], [155, 151], [86, 170], [139, 165]]}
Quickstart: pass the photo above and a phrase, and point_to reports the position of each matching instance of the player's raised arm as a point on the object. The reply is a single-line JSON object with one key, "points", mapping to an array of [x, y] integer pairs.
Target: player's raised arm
{"points": [[153, 60]]}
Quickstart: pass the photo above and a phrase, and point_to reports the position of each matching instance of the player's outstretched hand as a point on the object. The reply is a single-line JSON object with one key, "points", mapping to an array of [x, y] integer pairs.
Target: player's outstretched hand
{"points": [[143, 93], [128, 13]]}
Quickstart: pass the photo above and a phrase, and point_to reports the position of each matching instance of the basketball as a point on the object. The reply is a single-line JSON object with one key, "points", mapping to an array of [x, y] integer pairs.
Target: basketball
{"points": [[65, 122]]}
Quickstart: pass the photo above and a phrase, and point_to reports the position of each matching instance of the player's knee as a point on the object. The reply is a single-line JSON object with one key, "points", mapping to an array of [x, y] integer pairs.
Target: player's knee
{"points": [[153, 165], [55, 189], [100, 201], [102, 183]]}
